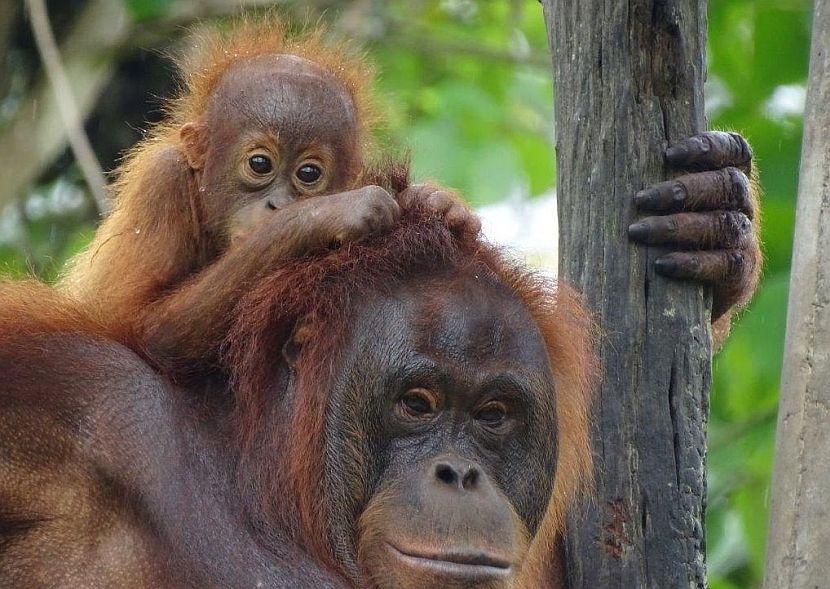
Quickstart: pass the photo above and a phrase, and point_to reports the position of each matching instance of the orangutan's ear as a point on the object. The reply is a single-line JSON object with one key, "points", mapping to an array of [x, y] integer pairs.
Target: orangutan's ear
{"points": [[299, 337], [194, 137]]}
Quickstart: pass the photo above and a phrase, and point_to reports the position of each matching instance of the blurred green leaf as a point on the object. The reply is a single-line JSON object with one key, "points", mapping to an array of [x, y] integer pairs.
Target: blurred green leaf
{"points": [[146, 10]]}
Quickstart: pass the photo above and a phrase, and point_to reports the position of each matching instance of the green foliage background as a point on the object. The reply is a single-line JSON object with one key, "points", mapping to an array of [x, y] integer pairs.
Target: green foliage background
{"points": [[466, 85]]}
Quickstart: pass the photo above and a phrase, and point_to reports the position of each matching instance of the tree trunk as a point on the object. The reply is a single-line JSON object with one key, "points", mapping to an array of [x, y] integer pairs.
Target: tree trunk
{"points": [[628, 78], [799, 539]]}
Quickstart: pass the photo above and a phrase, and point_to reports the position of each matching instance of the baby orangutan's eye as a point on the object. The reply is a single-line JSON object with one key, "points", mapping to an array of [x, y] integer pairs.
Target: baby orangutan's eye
{"points": [[260, 164], [309, 173]]}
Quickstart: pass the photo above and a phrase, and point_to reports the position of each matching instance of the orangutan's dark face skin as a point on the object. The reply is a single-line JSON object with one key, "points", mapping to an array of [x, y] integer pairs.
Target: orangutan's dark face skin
{"points": [[449, 384]]}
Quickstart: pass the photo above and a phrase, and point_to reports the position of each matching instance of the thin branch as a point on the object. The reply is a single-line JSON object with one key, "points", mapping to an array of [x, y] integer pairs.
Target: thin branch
{"points": [[78, 140]]}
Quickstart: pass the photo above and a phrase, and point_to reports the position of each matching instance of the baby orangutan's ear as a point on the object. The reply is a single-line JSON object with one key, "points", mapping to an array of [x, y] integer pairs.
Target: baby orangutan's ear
{"points": [[194, 138], [301, 335]]}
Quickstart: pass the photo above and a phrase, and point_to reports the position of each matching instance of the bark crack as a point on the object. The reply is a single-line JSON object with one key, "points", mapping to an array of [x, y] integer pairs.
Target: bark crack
{"points": [[674, 421]]}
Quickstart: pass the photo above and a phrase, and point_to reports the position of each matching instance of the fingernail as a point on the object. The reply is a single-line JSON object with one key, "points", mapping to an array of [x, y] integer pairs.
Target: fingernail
{"points": [[638, 231], [645, 197], [665, 266]]}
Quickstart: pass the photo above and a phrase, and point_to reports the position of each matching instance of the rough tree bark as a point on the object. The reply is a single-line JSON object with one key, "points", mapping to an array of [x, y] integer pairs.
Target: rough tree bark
{"points": [[628, 78], [799, 538]]}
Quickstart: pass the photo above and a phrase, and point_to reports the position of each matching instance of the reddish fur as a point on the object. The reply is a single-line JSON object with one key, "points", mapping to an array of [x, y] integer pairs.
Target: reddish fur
{"points": [[321, 294], [755, 256], [156, 235], [30, 308]]}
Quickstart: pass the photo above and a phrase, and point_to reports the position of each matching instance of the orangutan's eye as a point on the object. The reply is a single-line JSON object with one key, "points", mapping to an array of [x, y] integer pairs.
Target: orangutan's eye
{"points": [[309, 173], [418, 403], [492, 414], [260, 164]]}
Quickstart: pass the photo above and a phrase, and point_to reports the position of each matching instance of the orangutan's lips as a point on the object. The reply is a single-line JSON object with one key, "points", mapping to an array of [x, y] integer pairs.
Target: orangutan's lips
{"points": [[460, 563]]}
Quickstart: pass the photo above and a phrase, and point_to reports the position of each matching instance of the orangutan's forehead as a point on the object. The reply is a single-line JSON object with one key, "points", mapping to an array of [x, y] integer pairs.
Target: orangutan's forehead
{"points": [[283, 92], [459, 322], [475, 320]]}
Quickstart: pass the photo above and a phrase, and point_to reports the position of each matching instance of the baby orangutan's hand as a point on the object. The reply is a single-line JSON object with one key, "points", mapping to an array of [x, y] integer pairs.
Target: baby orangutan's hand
{"points": [[445, 203]]}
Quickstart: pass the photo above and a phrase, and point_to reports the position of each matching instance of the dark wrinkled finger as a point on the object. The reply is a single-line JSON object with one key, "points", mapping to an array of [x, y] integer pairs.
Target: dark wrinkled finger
{"points": [[719, 266], [732, 274], [711, 150], [712, 230], [726, 189]]}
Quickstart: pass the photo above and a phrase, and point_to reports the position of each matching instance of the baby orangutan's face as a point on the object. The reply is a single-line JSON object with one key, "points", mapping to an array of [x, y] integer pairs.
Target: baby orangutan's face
{"points": [[278, 129]]}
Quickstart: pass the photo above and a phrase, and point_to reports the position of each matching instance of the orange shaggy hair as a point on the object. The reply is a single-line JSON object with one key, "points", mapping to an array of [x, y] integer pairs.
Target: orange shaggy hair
{"points": [[154, 237]]}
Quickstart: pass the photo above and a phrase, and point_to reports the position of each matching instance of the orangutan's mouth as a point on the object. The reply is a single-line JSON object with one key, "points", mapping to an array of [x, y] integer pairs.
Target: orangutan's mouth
{"points": [[465, 563]]}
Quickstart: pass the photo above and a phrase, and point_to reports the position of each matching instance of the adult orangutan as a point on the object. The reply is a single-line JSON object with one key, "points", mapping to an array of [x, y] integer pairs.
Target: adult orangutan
{"points": [[411, 411], [260, 159]]}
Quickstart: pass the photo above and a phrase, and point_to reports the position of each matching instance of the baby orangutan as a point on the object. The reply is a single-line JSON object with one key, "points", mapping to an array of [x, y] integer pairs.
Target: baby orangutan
{"points": [[261, 160]]}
